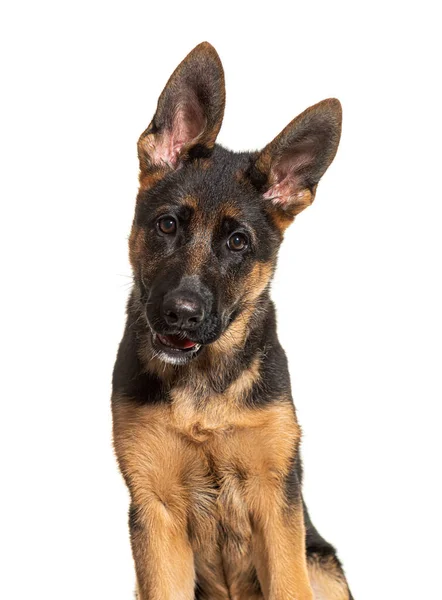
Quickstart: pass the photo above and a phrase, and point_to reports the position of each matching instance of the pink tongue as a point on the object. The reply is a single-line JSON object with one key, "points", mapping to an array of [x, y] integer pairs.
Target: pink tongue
{"points": [[174, 340]]}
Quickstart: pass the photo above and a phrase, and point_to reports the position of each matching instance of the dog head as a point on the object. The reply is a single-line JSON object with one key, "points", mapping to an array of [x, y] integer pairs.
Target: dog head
{"points": [[208, 222]]}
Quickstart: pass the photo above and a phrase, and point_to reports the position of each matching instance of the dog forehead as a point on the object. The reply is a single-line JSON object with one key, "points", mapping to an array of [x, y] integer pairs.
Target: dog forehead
{"points": [[218, 194], [207, 192], [212, 187], [209, 210]]}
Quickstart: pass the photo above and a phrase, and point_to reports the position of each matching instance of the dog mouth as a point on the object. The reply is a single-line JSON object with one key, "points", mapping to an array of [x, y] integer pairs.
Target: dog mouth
{"points": [[176, 349], [177, 343]]}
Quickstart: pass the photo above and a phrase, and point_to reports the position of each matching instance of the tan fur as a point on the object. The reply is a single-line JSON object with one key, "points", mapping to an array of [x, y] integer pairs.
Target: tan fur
{"points": [[190, 202], [231, 210], [281, 219], [171, 456], [199, 250], [279, 554], [258, 280], [232, 339], [235, 335], [150, 178], [136, 244], [199, 413], [327, 582]]}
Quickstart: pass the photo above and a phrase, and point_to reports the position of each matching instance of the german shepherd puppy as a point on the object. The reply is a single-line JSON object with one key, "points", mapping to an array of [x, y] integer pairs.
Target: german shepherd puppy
{"points": [[205, 430]]}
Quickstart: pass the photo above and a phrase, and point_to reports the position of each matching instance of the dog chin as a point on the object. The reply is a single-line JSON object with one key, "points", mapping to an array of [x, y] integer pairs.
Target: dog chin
{"points": [[171, 359]]}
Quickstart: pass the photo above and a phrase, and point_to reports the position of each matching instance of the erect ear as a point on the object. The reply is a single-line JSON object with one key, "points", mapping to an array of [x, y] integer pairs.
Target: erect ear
{"points": [[189, 113], [288, 170]]}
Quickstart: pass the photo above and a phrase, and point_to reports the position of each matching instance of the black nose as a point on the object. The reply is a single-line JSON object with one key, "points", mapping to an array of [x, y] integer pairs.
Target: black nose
{"points": [[183, 312]]}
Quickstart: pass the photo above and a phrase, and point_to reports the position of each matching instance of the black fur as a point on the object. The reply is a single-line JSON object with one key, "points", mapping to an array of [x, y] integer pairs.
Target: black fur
{"points": [[130, 377]]}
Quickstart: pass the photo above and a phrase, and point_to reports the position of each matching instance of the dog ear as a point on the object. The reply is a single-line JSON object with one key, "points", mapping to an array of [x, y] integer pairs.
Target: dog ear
{"points": [[189, 113], [288, 170]]}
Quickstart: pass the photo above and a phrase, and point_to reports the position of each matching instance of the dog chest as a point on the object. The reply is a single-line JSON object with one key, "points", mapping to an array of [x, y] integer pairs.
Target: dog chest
{"points": [[213, 466]]}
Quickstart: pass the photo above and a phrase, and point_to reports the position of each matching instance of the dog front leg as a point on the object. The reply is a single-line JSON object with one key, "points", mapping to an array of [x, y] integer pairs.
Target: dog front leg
{"points": [[163, 557], [279, 554]]}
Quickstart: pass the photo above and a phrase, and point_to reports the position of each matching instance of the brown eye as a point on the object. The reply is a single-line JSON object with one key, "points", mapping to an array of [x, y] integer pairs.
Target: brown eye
{"points": [[167, 225], [237, 241]]}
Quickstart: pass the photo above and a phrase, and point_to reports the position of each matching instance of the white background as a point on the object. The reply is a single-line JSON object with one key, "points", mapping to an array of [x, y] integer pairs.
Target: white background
{"points": [[358, 288]]}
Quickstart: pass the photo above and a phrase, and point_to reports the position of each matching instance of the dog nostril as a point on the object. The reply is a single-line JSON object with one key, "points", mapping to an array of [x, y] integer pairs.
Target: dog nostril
{"points": [[195, 319], [171, 316]]}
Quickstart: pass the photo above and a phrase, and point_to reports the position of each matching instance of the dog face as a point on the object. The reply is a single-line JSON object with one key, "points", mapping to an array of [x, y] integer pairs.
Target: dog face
{"points": [[209, 222]]}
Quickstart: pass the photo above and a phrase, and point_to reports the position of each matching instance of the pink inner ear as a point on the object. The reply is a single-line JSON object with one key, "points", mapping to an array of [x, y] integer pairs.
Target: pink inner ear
{"points": [[188, 124], [288, 180], [162, 150]]}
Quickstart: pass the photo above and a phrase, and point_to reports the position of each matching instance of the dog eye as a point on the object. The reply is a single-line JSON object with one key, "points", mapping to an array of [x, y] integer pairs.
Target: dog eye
{"points": [[237, 242], [167, 225]]}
